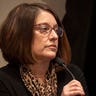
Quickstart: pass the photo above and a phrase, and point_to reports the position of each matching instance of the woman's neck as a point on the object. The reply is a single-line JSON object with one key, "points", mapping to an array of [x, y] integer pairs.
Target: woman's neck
{"points": [[39, 69]]}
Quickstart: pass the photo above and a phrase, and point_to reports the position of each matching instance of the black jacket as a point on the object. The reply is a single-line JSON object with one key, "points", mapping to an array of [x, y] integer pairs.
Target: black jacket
{"points": [[11, 83]]}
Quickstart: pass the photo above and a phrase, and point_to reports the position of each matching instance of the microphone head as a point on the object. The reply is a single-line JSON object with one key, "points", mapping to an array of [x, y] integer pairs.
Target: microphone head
{"points": [[59, 61]]}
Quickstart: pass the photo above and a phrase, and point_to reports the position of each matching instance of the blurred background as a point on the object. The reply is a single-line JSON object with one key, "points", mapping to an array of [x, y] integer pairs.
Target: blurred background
{"points": [[78, 18]]}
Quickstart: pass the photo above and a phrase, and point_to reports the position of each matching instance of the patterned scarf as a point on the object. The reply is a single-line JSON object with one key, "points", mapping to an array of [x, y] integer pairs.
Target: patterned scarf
{"points": [[48, 88]]}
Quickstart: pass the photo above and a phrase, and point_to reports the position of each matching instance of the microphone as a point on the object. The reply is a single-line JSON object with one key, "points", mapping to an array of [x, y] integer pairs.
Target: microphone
{"points": [[61, 63]]}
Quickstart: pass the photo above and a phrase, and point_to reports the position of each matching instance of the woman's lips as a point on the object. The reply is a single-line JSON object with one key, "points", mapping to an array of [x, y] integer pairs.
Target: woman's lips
{"points": [[53, 47]]}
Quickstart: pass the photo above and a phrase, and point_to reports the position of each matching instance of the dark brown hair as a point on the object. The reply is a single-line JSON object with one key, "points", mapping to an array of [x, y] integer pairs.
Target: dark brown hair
{"points": [[16, 34]]}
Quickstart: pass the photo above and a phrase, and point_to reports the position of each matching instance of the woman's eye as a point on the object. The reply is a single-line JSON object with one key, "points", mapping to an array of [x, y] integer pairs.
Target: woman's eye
{"points": [[44, 28]]}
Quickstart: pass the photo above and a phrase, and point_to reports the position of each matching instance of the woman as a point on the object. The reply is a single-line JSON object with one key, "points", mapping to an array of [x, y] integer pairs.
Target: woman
{"points": [[31, 38]]}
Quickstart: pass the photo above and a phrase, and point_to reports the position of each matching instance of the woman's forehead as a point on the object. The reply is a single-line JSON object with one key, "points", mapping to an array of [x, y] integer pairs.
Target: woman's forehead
{"points": [[45, 16]]}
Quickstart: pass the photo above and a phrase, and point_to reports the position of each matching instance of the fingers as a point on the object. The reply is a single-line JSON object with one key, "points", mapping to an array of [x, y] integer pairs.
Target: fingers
{"points": [[73, 88]]}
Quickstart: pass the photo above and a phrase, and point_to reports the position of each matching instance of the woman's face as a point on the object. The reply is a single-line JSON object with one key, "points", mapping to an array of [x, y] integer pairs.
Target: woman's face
{"points": [[45, 42]]}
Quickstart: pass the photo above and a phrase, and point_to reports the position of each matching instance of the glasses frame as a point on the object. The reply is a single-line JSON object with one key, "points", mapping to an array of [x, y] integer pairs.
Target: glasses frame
{"points": [[49, 29]]}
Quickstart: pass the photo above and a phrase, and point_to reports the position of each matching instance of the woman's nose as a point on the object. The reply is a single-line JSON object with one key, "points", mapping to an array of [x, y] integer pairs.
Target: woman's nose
{"points": [[53, 34]]}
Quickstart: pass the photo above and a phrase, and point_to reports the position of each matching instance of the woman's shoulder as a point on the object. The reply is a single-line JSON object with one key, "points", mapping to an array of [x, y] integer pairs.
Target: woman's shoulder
{"points": [[76, 70], [4, 71], [72, 71], [9, 72], [11, 82], [72, 67]]}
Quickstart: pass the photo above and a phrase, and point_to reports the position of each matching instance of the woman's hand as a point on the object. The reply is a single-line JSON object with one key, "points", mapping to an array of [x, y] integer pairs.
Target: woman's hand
{"points": [[73, 88]]}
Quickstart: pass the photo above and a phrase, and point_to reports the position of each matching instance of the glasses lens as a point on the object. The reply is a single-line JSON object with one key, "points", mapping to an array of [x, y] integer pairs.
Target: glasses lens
{"points": [[43, 28]]}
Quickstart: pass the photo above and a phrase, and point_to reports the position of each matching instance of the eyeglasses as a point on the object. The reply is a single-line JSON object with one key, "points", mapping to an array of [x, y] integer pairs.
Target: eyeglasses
{"points": [[46, 29]]}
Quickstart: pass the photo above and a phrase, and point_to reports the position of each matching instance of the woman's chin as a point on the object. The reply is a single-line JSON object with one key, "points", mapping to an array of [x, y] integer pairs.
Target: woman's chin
{"points": [[52, 56]]}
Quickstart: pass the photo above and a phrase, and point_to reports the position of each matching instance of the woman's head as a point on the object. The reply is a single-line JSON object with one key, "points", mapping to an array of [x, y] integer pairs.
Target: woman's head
{"points": [[18, 38]]}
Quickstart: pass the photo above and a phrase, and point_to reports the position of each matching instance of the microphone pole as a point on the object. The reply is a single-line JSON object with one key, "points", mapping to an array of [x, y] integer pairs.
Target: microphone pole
{"points": [[61, 63]]}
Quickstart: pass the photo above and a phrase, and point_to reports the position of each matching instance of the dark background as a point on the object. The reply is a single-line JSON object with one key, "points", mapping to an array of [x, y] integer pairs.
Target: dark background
{"points": [[79, 23]]}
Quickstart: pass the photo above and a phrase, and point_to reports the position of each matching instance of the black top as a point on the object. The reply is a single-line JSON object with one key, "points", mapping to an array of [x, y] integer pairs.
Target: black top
{"points": [[11, 83]]}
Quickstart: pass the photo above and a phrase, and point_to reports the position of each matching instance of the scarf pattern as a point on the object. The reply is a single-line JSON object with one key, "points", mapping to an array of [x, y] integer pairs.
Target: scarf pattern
{"points": [[48, 88]]}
